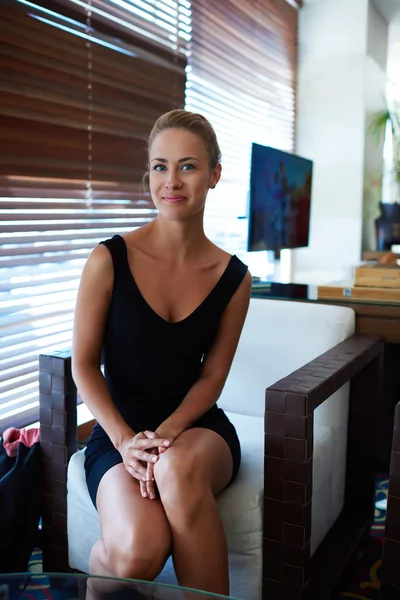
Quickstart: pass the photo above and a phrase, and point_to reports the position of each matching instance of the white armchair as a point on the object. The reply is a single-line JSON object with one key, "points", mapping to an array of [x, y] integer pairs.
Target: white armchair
{"points": [[295, 370]]}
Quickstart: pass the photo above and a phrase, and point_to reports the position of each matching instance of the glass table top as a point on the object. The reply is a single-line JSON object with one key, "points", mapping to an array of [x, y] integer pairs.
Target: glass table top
{"points": [[308, 292], [72, 586]]}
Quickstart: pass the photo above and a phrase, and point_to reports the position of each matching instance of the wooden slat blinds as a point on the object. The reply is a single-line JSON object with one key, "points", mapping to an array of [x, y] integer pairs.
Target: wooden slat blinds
{"points": [[81, 85], [242, 76]]}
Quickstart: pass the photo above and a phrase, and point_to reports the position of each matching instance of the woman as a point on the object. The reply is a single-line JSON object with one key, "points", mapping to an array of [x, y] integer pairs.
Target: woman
{"points": [[166, 306]]}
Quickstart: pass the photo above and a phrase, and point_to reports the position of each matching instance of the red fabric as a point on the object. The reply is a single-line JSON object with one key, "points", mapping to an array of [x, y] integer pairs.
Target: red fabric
{"points": [[12, 437]]}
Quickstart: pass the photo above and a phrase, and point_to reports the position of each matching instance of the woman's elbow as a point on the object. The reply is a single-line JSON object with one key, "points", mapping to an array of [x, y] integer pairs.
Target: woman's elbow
{"points": [[82, 368]]}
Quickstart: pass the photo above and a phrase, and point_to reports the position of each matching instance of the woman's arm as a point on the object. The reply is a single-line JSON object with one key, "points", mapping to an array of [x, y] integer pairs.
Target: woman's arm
{"points": [[91, 310], [207, 389]]}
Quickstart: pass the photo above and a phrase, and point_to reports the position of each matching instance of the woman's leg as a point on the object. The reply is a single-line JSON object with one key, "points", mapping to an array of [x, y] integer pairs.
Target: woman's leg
{"points": [[195, 469], [136, 536]]}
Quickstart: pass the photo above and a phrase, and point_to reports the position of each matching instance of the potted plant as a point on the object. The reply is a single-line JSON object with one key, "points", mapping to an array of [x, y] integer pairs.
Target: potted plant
{"points": [[382, 123]]}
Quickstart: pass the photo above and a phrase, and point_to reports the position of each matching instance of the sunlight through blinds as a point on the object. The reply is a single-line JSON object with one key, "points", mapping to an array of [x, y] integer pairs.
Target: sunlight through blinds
{"points": [[242, 76], [82, 84]]}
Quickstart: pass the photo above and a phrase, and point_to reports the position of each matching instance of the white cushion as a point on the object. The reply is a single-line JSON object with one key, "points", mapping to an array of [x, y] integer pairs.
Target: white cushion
{"points": [[279, 337], [83, 524], [240, 505]]}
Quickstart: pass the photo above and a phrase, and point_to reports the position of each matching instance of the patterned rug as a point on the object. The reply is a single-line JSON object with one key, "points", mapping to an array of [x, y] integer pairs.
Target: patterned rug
{"points": [[39, 587], [361, 583]]}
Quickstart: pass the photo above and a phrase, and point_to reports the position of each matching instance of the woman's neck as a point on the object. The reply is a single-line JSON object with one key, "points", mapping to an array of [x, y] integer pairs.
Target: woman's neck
{"points": [[176, 240]]}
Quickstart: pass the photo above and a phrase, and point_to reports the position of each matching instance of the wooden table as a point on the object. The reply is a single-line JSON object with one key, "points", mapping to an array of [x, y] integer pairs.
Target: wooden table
{"points": [[381, 319]]}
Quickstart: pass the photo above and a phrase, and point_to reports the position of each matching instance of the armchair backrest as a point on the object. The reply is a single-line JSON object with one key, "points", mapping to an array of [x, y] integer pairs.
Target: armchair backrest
{"points": [[279, 337]]}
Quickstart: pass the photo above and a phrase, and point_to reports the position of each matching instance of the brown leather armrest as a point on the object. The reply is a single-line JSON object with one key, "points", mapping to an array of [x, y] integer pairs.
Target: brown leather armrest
{"points": [[289, 446], [319, 379], [59, 440], [390, 572]]}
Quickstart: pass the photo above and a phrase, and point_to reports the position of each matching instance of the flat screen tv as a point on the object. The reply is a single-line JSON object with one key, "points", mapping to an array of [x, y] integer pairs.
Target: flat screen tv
{"points": [[279, 201]]}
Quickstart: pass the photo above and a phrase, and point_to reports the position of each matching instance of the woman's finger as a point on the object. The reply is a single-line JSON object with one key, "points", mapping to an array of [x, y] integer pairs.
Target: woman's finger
{"points": [[151, 434], [150, 467], [151, 489], [143, 489], [144, 456], [133, 473], [144, 443], [150, 484], [139, 468]]}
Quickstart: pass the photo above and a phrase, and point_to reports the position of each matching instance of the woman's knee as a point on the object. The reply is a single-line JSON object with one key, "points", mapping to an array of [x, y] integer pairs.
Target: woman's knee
{"points": [[136, 559], [175, 470], [180, 483]]}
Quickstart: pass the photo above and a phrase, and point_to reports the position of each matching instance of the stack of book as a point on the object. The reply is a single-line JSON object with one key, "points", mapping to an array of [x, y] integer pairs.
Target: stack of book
{"points": [[373, 282]]}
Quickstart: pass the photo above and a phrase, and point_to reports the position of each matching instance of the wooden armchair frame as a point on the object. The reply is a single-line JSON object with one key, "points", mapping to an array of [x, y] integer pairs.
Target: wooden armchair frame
{"points": [[390, 571], [289, 572]]}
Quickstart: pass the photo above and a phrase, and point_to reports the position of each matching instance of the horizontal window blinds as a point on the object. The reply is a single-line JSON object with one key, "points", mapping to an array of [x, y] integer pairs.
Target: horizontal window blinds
{"points": [[242, 76], [82, 83]]}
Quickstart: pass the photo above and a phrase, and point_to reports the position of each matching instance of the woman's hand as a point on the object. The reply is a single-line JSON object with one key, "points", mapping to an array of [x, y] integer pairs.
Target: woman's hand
{"points": [[166, 433], [138, 450], [148, 488]]}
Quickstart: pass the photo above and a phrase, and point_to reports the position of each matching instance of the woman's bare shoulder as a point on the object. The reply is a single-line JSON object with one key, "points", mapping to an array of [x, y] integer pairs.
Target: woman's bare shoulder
{"points": [[247, 283], [100, 257], [99, 267]]}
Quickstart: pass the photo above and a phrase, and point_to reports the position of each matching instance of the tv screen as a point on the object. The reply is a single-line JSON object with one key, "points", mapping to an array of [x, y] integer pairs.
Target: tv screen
{"points": [[280, 198]]}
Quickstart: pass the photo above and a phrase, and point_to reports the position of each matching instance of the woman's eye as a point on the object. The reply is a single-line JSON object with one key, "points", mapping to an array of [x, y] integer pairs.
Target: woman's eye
{"points": [[187, 167]]}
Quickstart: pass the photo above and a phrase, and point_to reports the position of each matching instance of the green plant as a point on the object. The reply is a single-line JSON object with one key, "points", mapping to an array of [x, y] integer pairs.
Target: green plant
{"points": [[378, 128]]}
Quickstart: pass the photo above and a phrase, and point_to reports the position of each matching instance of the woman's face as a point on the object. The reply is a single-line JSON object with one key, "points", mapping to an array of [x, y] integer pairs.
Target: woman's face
{"points": [[180, 175]]}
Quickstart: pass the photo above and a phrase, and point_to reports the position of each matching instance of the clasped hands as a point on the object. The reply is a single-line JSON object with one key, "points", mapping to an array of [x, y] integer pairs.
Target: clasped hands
{"points": [[139, 455]]}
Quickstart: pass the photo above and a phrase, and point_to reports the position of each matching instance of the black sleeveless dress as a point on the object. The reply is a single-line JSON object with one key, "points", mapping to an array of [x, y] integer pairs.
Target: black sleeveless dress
{"points": [[150, 364]]}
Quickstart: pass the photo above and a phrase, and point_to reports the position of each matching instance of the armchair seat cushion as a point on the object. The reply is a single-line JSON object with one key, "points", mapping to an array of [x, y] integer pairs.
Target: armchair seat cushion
{"points": [[240, 504]]}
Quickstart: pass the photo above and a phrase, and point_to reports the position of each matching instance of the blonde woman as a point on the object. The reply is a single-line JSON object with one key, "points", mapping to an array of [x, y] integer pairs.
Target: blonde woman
{"points": [[166, 306]]}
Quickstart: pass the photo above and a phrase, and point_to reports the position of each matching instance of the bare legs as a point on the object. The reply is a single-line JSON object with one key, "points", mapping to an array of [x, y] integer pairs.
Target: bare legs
{"points": [[194, 470], [136, 537], [138, 533]]}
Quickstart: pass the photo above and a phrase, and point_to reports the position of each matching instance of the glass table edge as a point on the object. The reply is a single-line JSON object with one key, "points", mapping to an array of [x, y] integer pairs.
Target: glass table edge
{"points": [[23, 575]]}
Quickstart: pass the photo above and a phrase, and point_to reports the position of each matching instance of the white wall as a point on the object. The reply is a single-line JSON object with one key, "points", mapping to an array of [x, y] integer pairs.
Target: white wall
{"points": [[393, 64], [377, 40], [335, 38], [375, 81]]}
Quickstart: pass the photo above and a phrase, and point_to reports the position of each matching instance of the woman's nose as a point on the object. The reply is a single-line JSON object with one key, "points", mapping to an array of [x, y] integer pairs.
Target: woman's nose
{"points": [[173, 181]]}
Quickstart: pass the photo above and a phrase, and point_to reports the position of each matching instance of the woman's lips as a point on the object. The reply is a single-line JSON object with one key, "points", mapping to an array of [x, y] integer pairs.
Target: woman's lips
{"points": [[174, 199]]}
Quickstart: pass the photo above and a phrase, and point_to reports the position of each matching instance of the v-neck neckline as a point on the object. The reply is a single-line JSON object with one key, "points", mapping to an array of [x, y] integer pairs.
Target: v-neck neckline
{"points": [[196, 310]]}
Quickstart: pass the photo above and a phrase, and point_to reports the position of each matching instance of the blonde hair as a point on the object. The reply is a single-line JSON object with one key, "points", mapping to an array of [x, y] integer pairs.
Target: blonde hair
{"points": [[193, 122]]}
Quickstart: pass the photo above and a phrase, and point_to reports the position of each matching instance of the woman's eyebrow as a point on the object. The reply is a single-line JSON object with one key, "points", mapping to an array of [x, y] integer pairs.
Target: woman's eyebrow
{"points": [[164, 160], [188, 158]]}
